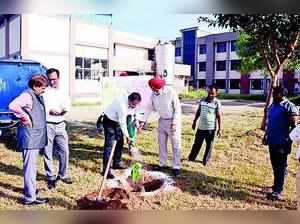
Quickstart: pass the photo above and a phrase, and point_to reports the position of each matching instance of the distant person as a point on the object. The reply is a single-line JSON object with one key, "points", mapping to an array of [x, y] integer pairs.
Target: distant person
{"points": [[115, 128], [57, 104], [164, 100], [281, 119], [209, 124], [32, 133]]}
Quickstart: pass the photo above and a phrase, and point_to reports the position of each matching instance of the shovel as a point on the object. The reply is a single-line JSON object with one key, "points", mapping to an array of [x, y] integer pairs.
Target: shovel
{"points": [[99, 197]]}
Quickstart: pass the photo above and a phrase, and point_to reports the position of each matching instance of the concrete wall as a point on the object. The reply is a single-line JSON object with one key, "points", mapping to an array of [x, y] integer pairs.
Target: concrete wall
{"points": [[46, 39]]}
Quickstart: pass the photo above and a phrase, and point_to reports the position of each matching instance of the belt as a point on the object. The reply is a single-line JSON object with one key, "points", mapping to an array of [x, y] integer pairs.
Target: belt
{"points": [[50, 122]]}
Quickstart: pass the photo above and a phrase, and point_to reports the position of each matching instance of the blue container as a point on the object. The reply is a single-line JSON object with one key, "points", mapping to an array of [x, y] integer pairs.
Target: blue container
{"points": [[14, 77]]}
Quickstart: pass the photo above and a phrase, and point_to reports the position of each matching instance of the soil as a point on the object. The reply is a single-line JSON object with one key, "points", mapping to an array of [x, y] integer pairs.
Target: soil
{"points": [[118, 198], [113, 199]]}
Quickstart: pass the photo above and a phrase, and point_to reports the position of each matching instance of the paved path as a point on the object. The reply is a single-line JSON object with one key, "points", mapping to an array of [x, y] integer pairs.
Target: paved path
{"points": [[91, 113]]}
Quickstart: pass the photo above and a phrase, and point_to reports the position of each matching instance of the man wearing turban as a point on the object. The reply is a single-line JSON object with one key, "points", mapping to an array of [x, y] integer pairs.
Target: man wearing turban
{"points": [[165, 101]]}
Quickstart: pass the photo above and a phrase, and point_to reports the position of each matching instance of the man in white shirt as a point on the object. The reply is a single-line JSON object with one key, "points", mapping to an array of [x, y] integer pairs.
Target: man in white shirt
{"points": [[57, 103], [165, 101], [115, 128]]}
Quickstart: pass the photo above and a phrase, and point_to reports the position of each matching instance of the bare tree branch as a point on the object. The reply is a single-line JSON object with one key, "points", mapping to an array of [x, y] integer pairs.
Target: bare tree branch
{"points": [[275, 46], [293, 45], [267, 61]]}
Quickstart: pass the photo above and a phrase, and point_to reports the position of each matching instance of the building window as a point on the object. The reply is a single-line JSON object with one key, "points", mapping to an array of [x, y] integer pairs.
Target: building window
{"points": [[235, 65], [221, 47], [220, 65], [151, 55], [233, 45], [234, 83], [177, 51], [202, 49], [201, 83], [90, 68], [256, 84], [220, 83], [202, 66]]}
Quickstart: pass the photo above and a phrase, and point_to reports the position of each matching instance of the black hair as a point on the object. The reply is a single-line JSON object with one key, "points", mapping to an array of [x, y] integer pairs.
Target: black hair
{"points": [[38, 80], [211, 87], [135, 96], [51, 70], [281, 90]]}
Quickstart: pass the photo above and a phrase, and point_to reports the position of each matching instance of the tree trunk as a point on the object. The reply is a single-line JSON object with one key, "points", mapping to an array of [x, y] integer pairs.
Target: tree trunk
{"points": [[274, 83]]}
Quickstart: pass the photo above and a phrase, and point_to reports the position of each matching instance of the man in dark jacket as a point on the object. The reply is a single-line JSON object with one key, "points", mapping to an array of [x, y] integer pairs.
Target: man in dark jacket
{"points": [[32, 133]]}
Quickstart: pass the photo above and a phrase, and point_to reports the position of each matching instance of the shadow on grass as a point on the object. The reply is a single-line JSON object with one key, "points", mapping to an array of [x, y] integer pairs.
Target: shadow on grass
{"points": [[16, 171], [86, 129], [198, 183]]}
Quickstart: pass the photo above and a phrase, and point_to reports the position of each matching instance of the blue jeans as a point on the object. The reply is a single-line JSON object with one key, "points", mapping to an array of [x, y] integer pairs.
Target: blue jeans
{"points": [[112, 132], [278, 156]]}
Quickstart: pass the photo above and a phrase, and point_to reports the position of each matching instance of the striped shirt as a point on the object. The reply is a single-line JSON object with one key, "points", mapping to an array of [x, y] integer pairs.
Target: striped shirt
{"points": [[208, 114]]}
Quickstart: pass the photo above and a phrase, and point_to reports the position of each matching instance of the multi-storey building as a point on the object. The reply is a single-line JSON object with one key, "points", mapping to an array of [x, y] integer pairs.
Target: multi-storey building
{"points": [[214, 60]]}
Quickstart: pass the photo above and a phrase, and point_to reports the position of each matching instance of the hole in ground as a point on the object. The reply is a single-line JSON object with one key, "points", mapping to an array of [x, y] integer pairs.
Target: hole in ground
{"points": [[153, 185]]}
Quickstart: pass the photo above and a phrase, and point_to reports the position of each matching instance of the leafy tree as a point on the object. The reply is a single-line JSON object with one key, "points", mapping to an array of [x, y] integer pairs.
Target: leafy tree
{"points": [[269, 42]]}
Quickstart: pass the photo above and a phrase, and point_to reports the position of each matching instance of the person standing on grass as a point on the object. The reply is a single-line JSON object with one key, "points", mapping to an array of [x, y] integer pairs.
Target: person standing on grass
{"points": [[209, 115], [165, 101], [32, 133], [281, 119], [57, 104], [115, 129]]}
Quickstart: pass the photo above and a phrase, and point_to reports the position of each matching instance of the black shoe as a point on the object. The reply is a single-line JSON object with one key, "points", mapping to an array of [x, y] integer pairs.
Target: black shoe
{"points": [[159, 168], [119, 166], [109, 175], [66, 180], [176, 172], [51, 184], [274, 196], [205, 163], [191, 160], [38, 201]]}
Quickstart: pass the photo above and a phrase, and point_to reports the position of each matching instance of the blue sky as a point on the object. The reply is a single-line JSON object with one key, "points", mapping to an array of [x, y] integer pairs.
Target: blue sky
{"points": [[164, 26]]}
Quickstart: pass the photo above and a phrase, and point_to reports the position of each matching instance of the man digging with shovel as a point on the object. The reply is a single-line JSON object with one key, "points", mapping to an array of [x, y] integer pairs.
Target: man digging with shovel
{"points": [[115, 128]]}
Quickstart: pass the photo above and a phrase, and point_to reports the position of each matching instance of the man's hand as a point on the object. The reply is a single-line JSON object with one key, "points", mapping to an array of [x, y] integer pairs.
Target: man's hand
{"points": [[63, 112], [54, 113], [141, 125], [129, 141], [26, 122], [219, 133], [173, 127]]}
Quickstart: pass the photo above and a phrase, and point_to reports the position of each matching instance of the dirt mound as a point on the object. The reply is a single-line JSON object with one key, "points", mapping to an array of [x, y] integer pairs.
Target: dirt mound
{"points": [[113, 199]]}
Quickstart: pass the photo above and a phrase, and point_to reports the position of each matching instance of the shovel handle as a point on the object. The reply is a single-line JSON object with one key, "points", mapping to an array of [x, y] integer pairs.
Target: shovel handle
{"points": [[107, 169]]}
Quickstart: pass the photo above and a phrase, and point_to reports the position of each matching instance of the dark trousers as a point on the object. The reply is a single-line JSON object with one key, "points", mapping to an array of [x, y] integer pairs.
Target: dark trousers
{"points": [[278, 156], [201, 135], [112, 132]]}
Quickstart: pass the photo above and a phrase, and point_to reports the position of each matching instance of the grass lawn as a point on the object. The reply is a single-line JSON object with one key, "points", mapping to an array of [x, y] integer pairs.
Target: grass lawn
{"points": [[239, 169]]}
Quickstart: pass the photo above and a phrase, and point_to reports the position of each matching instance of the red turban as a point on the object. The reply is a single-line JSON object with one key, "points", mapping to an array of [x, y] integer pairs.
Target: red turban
{"points": [[156, 83]]}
